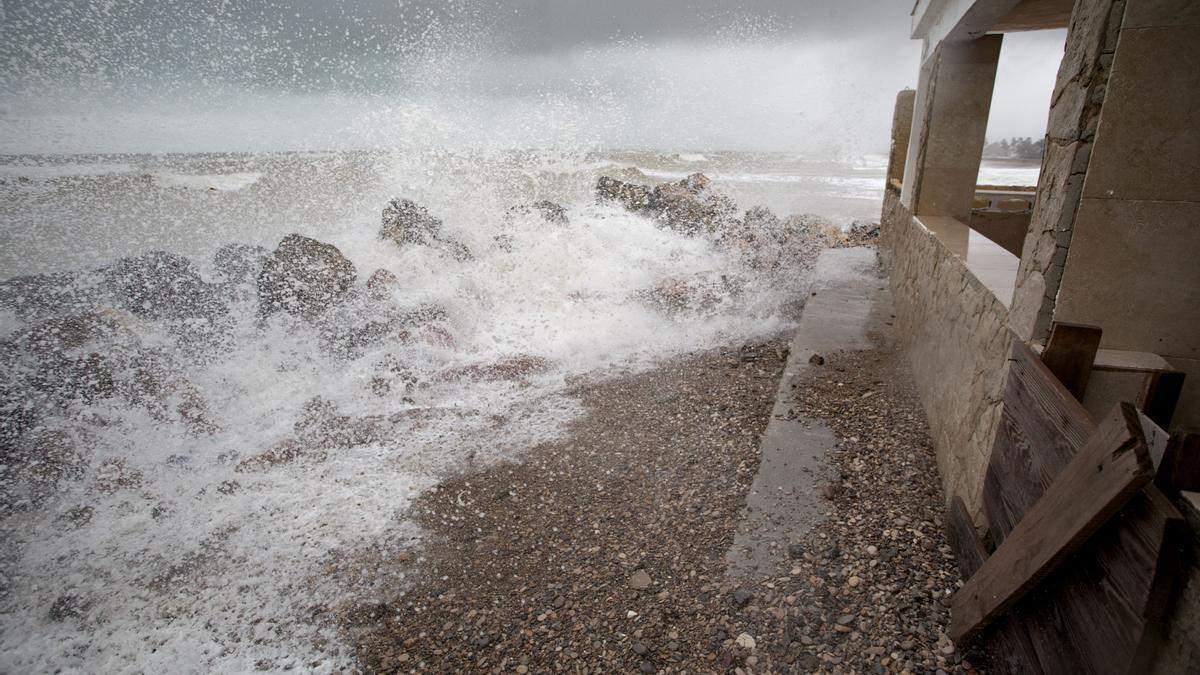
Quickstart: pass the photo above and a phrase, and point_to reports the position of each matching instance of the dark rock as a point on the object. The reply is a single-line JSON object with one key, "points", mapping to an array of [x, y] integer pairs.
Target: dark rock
{"points": [[304, 277], [816, 360], [687, 206], [742, 597], [647, 667], [161, 285], [239, 264], [795, 551], [549, 211], [632, 196], [407, 223], [382, 284], [35, 466], [39, 296], [640, 649], [69, 607]]}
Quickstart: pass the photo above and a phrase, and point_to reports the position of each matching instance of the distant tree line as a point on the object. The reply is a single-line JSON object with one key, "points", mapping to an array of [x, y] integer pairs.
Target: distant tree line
{"points": [[1015, 148]]}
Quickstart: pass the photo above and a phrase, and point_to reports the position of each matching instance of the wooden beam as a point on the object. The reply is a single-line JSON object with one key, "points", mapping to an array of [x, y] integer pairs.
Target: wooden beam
{"points": [[1070, 353], [1096, 613], [1109, 469], [1161, 395], [1009, 646], [1180, 469], [1040, 431]]}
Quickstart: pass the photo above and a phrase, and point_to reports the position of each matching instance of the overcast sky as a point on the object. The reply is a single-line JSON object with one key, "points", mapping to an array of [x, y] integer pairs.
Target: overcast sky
{"points": [[137, 75]]}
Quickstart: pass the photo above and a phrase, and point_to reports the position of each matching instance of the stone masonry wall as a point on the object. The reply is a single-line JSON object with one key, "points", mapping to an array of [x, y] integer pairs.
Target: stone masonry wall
{"points": [[956, 335], [1071, 129]]}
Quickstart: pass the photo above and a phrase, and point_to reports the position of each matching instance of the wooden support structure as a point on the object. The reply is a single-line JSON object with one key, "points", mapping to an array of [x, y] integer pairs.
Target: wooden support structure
{"points": [[1070, 353], [1101, 479], [1097, 612], [1180, 470], [1012, 651], [1161, 396]]}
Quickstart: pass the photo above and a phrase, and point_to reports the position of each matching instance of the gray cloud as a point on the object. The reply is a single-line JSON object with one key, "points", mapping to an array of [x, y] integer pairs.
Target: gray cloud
{"points": [[816, 76], [312, 45]]}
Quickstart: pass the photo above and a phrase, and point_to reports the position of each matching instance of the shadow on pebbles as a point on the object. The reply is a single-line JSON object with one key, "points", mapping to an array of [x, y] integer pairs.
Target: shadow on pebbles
{"points": [[605, 552]]}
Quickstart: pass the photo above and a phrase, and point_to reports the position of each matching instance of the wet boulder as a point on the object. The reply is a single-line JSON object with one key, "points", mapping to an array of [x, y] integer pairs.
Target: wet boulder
{"points": [[688, 206], [304, 277], [239, 264], [516, 368], [34, 468], [38, 296], [67, 358], [547, 210], [678, 295], [406, 223], [632, 196], [160, 285], [319, 429], [382, 285]]}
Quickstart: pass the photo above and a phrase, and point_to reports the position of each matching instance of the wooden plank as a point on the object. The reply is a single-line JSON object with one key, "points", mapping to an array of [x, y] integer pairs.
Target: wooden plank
{"points": [[1107, 472], [1161, 396], [1040, 431], [1070, 354], [1105, 603], [1180, 470], [1109, 587], [1008, 642]]}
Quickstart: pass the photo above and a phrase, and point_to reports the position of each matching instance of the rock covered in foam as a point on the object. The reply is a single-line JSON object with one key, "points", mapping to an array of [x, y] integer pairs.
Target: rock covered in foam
{"points": [[304, 277], [382, 284], [689, 206], [547, 210], [38, 296], [160, 285], [239, 264], [406, 223]]}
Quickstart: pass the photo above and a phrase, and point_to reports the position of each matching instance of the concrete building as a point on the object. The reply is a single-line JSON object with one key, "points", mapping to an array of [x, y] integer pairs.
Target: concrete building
{"points": [[1110, 235]]}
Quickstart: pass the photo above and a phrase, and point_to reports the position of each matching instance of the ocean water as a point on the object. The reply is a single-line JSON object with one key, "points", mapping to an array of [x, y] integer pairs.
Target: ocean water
{"points": [[139, 542]]}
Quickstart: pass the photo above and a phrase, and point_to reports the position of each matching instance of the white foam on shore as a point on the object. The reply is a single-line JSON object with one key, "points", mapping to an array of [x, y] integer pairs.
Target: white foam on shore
{"points": [[203, 568], [45, 172], [220, 182]]}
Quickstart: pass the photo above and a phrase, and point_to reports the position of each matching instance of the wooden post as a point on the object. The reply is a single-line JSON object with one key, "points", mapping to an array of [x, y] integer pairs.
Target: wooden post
{"points": [[1110, 468], [1070, 354]]}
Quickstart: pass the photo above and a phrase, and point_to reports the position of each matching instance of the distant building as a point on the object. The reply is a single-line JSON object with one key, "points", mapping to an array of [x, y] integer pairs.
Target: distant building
{"points": [[1109, 237]]}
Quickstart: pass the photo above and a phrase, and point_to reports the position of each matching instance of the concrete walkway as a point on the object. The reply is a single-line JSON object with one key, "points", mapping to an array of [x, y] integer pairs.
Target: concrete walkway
{"points": [[849, 299]]}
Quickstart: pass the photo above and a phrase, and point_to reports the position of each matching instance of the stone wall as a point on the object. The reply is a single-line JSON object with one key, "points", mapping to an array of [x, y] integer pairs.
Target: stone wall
{"points": [[1074, 116], [955, 332]]}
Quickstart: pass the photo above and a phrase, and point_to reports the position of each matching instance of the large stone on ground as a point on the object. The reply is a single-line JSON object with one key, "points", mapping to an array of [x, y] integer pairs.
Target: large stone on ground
{"points": [[160, 285], [304, 277], [688, 206], [240, 264], [407, 223], [549, 211], [38, 296]]}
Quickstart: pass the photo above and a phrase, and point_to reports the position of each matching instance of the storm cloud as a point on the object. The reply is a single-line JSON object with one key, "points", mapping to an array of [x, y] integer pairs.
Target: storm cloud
{"points": [[258, 74]]}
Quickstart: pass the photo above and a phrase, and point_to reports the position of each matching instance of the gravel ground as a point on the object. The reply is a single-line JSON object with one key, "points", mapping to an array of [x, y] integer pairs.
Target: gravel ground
{"points": [[605, 552]]}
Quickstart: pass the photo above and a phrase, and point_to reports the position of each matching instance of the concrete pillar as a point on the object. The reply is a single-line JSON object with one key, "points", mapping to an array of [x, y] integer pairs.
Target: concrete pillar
{"points": [[953, 128], [1071, 127], [920, 108], [901, 131], [1133, 266]]}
